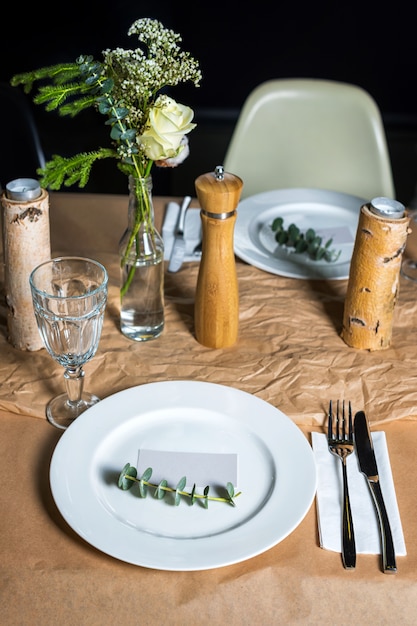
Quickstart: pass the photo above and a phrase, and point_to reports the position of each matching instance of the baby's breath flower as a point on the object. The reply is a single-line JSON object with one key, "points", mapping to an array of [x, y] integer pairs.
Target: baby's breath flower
{"points": [[139, 75]]}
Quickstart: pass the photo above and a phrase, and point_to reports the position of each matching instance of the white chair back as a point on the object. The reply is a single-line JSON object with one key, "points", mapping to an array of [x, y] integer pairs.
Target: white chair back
{"points": [[311, 133]]}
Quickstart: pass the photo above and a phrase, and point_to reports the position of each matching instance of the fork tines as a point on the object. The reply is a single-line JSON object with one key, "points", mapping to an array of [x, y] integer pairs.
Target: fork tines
{"points": [[340, 433]]}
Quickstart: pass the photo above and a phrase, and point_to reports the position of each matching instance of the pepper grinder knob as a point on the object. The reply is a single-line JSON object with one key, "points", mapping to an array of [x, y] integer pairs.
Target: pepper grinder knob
{"points": [[216, 309]]}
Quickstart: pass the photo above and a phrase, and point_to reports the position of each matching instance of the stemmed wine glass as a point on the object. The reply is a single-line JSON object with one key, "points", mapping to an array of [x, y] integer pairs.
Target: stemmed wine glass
{"points": [[69, 298]]}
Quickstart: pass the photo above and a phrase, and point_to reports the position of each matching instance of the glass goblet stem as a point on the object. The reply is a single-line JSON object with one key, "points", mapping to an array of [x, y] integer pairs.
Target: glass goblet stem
{"points": [[74, 381]]}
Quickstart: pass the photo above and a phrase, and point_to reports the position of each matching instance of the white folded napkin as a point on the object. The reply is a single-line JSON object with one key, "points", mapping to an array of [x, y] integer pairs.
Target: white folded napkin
{"points": [[330, 493], [192, 231]]}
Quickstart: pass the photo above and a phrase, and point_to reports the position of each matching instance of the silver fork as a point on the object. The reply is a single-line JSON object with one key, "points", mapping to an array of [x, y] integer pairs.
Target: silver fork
{"points": [[340, 442]]}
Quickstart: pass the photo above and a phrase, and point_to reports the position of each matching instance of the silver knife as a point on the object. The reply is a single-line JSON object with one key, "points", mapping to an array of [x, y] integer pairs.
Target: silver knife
{"points": [[367, 463], [178, 247]]}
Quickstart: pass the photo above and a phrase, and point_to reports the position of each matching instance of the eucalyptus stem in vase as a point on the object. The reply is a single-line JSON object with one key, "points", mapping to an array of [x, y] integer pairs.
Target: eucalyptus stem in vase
{"points": [[146, 127]]}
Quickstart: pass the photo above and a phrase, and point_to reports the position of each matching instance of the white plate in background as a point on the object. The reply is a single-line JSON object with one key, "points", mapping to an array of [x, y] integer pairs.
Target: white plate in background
{"points": [[331, 214]]}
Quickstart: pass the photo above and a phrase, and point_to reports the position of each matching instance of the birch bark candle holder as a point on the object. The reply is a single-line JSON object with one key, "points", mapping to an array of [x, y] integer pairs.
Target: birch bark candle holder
{"points": [[26, 244], [374, 275]]}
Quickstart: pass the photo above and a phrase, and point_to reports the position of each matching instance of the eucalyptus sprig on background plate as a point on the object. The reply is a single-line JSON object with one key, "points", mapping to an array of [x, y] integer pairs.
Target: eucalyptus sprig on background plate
{"points": [[128, 478], [304, 243]]}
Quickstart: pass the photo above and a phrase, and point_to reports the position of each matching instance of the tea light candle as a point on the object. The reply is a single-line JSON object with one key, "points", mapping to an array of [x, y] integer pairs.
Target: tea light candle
{"points": [[385, 207], [23, 189]]}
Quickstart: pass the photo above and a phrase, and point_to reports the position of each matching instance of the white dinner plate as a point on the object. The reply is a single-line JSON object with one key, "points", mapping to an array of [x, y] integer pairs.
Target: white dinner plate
{"points": [[276, 475], [331, 214]]}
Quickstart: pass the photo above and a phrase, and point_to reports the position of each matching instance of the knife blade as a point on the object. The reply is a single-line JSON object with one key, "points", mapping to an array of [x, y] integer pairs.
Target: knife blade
{"points": [[368, 467], [178, 247]]}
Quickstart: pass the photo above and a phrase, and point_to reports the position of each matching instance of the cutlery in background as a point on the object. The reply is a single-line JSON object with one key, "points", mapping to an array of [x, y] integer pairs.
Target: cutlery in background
{"points": [[368, 467], [198, 250], [178, 247]]}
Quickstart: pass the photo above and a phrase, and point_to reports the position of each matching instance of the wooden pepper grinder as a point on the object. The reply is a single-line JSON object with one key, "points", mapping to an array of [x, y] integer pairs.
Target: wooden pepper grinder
{"points": [[216, 311]]}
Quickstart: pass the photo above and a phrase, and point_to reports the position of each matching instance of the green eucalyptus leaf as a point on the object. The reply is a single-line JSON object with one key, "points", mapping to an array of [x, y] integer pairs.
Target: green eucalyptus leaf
{"points": [[143, 488], [128, 135], [281, 237], [104, 107], [84, 58], [313, 246], [92, 80], [120, 112], [293, 231], [160, 491], [115, 133], [301, 246], [147, 474], [310, 234], [180, 487], [277, 223], [231, 492], [192, 496], [94, 67], [206, 492], [293, 235], [106, 86], [123, 482]]}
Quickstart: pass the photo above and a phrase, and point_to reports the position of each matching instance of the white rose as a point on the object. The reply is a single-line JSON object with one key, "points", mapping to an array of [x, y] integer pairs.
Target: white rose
{"points": [[167, 124], [182, 154]]}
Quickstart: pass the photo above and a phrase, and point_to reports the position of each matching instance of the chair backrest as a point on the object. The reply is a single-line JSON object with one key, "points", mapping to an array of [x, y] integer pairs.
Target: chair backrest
{"points": [[21, 152], [311, 133]]}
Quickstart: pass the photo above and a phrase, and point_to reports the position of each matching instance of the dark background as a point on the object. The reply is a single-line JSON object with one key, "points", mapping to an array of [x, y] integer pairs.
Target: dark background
{"points": [[364, 43]]}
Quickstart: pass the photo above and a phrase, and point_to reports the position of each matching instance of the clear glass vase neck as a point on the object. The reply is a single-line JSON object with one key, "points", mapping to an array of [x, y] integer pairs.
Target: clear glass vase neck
{"points": [[141, 239], [140, 208]]}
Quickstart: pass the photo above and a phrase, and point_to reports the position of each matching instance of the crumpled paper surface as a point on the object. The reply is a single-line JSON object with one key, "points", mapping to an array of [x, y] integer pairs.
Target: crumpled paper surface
{"points": [[288, 353], [289, 350]]}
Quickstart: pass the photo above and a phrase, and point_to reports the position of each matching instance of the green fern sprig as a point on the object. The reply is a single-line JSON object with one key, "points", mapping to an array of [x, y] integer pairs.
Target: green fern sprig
{"points": [[73, 90], [58, 74], [67, 171], [78, 87], [68, 98]]}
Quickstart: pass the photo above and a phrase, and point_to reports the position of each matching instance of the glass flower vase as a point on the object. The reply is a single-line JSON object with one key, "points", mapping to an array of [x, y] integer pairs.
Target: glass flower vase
{"points": [[141, 253]]}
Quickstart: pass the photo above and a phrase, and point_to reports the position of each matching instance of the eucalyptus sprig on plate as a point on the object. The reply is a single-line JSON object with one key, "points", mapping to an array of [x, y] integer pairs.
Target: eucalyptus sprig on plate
{"points": [[309, 242], [128, 477]]}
